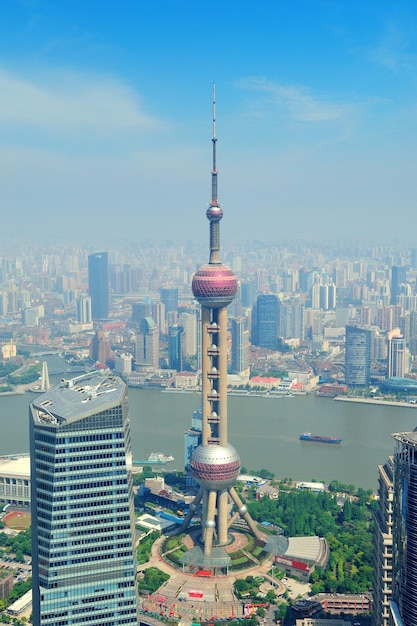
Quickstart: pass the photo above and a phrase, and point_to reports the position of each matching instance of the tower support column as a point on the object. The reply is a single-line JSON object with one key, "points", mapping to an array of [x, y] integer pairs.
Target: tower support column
{"points": [[222, 516], [205, 366]]}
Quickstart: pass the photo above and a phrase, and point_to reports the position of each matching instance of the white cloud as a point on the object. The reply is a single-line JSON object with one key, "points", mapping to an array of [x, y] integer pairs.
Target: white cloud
{"points": [[299, 104], [392, 52], [69, 104]]}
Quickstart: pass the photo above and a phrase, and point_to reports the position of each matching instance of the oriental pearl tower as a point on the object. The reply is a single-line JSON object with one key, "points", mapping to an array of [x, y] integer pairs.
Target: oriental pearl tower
{"points": [[215, 464]]}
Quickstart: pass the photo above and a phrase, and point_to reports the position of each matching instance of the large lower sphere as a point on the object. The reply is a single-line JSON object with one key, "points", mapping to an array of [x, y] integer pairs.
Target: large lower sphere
{"points": [[214, 285], [215, 467]]}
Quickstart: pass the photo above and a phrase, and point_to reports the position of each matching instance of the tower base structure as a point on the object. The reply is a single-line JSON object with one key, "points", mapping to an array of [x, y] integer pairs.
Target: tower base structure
{"points": [[215, 536]]}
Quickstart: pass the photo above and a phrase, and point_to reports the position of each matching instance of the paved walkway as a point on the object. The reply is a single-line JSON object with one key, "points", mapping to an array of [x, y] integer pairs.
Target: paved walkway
{"points": [[186, 596]]}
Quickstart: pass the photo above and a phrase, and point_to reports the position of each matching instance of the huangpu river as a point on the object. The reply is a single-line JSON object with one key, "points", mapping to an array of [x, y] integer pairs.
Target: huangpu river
{"points": [[265, 431]]}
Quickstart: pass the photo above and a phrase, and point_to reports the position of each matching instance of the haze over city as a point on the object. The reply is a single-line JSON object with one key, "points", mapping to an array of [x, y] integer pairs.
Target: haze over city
{"points": [[105, 119]]}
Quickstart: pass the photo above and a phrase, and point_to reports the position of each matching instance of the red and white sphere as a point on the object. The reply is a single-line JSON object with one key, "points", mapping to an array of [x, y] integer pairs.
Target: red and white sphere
{"points": [[215, 467], [214, 285]]}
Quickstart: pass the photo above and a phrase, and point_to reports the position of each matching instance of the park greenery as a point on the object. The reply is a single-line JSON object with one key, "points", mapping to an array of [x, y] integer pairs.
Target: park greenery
{"points": [[145, 546], [152, 579], [347, 529], [19, 544], [29, 375]]}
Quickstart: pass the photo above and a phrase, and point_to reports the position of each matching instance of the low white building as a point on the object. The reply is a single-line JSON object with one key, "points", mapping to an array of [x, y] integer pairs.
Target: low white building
{"points": [[15, 479]]}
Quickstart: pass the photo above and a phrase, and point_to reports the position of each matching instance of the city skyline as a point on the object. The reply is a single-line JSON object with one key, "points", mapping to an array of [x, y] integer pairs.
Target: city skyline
{"points": [[99, 107]]}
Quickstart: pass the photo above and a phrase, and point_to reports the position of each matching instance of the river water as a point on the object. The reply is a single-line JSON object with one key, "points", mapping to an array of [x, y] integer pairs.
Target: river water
{"points": [[265, 431]]}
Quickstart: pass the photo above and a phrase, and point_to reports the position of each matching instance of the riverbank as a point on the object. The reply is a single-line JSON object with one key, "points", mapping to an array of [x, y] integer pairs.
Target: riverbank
{"points": [[377, 401]]}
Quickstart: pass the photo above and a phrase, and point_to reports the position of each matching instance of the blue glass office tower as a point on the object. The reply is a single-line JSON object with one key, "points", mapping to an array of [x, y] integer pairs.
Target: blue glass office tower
{"points": [[98, 284], [265, 321], [84, 566]]}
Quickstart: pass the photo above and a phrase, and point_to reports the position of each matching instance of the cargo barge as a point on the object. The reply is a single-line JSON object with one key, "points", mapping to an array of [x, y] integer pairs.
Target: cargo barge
{"points": [[319, 438]]}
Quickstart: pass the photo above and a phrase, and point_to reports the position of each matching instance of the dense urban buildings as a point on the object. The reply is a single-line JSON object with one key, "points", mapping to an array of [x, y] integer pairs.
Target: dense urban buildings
{"points": [[83, 561], [98, 284], [215, 464]]}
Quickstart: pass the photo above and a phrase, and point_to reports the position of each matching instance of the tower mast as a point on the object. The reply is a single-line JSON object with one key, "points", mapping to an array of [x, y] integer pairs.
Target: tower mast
{"points": [[215, 464]]}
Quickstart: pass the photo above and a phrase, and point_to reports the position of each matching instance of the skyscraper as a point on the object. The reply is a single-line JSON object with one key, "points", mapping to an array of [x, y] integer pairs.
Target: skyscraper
{"points": [[292, 319], [215, 464], [147, 343], [265, 321], [398, 278], [382, 587], [397, 363], [169, 297], [240, 347], [358, 356], [83, 561], [404, 563], [83, 304], [98, 284], [176, 347]]}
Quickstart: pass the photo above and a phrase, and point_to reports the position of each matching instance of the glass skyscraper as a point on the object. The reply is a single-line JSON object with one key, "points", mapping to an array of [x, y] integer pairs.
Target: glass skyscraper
{"points": [[84, 565], [404, 564], [98, 284], [358, 356]]}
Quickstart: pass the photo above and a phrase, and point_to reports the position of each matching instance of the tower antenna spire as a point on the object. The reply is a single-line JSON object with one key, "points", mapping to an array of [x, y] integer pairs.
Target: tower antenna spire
{"points": [[214, 140]]}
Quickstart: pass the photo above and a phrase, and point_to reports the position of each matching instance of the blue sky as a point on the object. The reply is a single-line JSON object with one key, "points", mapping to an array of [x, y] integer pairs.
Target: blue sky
{"points": [[105, 118]]}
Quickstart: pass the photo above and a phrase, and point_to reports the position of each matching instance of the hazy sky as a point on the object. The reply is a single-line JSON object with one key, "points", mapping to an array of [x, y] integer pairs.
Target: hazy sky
{"points": [[105, 118]]}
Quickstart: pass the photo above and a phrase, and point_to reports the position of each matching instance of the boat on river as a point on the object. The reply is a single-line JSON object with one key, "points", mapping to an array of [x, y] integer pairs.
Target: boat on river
{"points": [[319, 438]]}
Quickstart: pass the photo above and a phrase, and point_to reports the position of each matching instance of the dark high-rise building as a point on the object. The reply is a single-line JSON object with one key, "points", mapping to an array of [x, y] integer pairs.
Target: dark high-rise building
{"points": [[169, 297], [98, 284], [247, 293], [265, 321], [215, 464], [176, 347], [140, 310], [404, 554], [398, 278], [358, 356], [83, 524]]}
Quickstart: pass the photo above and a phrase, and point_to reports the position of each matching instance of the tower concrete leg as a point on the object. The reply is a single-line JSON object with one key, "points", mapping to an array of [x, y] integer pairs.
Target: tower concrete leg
{"points": [[210, 523], [223, 498], [243, 512], [192, 510]]}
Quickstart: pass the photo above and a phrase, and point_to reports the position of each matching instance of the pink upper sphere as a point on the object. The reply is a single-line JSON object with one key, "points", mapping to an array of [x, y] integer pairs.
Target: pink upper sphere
{"points": [[214, 285]]}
